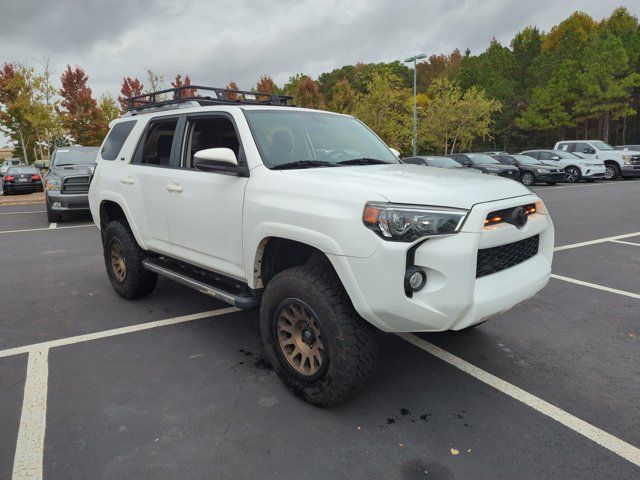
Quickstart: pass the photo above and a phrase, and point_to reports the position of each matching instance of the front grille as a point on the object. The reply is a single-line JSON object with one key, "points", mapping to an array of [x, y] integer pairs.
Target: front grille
{"points": [[635, 160], [75, 185], [496, 259]]}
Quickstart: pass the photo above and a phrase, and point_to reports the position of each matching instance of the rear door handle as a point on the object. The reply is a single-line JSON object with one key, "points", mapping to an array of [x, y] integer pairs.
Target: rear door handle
{"points": [[128, 180], [174, 187]]}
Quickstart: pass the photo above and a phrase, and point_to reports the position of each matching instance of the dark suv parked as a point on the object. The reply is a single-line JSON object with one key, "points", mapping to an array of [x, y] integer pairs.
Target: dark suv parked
{"points": [[67, 181], [486, 164]]}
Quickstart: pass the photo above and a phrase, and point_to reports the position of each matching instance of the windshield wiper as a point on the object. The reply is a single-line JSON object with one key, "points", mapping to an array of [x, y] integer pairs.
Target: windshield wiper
{"points": [[363, 161], [303, 164]]}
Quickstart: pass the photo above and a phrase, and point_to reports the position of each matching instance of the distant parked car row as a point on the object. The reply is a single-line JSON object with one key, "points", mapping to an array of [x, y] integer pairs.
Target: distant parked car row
{"points": [[570, 161]]}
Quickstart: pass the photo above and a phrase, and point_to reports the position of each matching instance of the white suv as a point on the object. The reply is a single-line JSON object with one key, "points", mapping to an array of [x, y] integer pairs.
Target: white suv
{"points": [[310, 216], [625, 163]]}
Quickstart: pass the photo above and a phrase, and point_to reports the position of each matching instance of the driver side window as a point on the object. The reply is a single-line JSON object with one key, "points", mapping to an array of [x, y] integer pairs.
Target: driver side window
{"points": [[210, 132]]}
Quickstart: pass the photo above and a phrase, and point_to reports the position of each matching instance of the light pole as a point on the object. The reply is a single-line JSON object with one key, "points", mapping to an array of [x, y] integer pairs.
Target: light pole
{"points": [[415, 59]]}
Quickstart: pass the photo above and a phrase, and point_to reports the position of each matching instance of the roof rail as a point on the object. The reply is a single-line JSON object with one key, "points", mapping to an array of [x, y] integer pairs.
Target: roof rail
{"points": [[210, 96]]}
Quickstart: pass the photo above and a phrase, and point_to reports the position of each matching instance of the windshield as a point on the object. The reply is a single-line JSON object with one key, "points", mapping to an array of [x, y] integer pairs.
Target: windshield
{"points": [[74, 156], [481, 158], [25, 169], [442, 162], [300, 136], [601, 145]]}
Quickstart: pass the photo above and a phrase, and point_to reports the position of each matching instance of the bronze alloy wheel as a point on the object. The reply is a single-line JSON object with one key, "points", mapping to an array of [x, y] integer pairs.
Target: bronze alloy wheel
{"points": [[300, 338], [118, 263]]}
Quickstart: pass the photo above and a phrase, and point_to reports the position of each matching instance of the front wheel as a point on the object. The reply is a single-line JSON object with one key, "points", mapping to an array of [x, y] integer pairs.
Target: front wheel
{"points": [[528, 179], [123, 258], [573, 174], [318, 345]]}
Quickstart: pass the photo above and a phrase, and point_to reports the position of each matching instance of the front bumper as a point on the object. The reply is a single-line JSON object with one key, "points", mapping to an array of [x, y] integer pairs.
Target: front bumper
{"points": [[630, 170], [453, 298], [592, 172], [551, 177], [64, 202]]}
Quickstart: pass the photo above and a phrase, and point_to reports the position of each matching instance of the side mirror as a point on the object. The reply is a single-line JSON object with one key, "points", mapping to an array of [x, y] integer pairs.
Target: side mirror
{"points": [[395, 152], [214, 158], [555, 157]]}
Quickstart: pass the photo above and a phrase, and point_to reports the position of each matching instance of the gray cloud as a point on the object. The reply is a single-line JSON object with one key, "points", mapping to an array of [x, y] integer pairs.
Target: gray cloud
{"points": [[223, 40]]}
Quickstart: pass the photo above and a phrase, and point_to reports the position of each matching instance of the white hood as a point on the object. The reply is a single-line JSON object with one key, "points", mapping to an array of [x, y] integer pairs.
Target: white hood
{"points": [[417, 184]]}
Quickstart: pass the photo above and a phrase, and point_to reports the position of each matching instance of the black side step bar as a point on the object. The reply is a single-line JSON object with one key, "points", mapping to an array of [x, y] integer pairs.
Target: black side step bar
{"points": [[201, 282]]}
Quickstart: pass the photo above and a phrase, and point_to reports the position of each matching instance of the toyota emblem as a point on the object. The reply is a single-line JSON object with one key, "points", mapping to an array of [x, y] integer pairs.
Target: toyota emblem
{"points": [[519, 216]]}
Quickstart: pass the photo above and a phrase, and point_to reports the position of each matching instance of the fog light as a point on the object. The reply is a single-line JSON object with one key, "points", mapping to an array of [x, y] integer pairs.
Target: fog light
{"points": [[57, 204], [414, 279]]}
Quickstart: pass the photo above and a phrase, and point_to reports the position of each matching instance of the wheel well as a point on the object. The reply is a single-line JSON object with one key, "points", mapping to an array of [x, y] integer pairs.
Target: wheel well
{"points": [[277, 254], [109, 212], [612, 162]]}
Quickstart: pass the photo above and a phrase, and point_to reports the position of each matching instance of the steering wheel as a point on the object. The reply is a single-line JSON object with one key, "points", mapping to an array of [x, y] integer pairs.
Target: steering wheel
{"points": [[336, 154]]}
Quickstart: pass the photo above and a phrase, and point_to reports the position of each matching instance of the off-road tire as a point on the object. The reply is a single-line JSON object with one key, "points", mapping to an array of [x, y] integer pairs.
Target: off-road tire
{"points": [[350, 343], [137, 282], [53, 217]]}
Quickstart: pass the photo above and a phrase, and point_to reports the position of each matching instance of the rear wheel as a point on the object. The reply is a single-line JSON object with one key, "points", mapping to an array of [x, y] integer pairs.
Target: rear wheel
{"points": [[573, 174], [123, 258], [528, 179], [318, 345], [611, 171]]}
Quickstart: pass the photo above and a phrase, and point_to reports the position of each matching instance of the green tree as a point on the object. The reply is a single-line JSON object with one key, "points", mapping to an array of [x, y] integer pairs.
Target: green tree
{"points": [[384, 108], [453, 119], [109, 108]]}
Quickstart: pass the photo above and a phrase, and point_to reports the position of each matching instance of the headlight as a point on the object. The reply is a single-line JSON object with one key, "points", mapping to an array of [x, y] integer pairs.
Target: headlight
{"points": [[406, 223], [626, 158], [541, 208], [542, 170], [53, 184]]}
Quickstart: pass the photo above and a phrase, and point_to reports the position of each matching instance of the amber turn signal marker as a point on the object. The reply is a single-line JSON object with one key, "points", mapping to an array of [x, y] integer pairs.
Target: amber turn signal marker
{"points": [[371, 215]]}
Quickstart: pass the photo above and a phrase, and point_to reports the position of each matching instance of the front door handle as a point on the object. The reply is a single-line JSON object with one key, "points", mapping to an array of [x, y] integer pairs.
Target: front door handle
{"points": [[128, 180], [174, 187]]}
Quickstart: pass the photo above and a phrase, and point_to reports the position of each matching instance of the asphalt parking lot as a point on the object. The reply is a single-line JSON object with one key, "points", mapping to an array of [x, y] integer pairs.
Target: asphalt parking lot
{"points": [[174, 385]]}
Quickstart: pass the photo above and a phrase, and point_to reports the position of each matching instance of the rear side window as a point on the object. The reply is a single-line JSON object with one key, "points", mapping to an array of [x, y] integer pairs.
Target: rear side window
{"points": [[115, 140], [158, 143]]}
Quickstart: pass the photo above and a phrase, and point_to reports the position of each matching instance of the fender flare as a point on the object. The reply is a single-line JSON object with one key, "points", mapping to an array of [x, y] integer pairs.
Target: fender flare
{"points": [[120, 201]]}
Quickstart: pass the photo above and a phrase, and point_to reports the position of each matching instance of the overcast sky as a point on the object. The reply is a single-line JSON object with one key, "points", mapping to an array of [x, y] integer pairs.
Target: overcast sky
{"points": [[218, 41]]}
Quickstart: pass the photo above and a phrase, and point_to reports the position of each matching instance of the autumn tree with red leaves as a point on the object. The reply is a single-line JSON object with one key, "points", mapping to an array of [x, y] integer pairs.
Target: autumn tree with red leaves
{"points": [[266, 85], [131, 87], [81, 116], [232, 86], [178, 82], [307, 94]]}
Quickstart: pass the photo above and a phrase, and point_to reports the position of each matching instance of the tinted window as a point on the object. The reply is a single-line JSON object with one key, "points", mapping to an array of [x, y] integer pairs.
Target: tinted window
{"points": [[480, 158], [581, 147], [215, 132], [158, 143], [115, 140], [415, 161], [546, 155]]}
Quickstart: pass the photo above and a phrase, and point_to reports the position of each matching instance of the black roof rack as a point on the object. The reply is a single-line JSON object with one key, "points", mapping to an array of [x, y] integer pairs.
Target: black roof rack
{"points": [[209, 96]]}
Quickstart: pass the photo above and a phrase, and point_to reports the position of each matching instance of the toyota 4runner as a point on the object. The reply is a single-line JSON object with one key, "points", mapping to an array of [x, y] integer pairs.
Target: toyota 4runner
{"points": [[309, 216]]}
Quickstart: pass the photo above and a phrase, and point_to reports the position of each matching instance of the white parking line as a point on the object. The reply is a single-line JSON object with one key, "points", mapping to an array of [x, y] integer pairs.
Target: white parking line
{"points": [[626, 243], [53, 225], [22, 213], [596, 286], [608, 441], [593, 242], [46, 228], [27, 461], [116, 331]]}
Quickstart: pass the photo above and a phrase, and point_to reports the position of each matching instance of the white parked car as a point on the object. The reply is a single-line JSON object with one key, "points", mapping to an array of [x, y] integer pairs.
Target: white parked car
{"points": [[618, 163], [575, 166], [8, 163], [309, 215]]}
